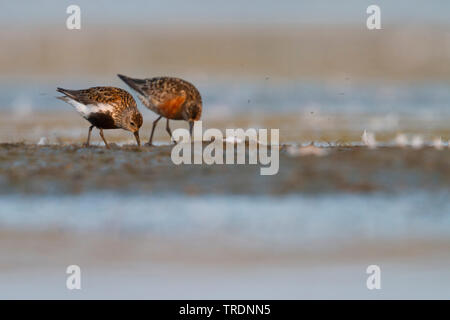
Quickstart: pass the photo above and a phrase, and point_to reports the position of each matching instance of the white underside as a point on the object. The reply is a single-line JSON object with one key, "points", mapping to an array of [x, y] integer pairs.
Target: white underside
{"points": [[86, 109]]}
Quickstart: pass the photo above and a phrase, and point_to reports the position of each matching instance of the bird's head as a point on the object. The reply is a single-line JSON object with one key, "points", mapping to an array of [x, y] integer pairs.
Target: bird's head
{"points": [[193, 112], [132, 121]]}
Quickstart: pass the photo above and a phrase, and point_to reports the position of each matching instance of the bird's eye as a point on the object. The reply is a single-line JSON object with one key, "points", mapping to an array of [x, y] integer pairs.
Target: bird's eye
{"points": [[132, 123]]}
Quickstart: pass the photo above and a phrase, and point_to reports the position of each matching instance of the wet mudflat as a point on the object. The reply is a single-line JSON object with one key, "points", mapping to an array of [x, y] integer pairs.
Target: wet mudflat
{"points": [[74, 169]]}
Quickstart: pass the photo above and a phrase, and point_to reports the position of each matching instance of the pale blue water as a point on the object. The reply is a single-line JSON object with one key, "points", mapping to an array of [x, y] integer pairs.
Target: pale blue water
{"points": [[303, 221], [312, 227], [230, 97]]}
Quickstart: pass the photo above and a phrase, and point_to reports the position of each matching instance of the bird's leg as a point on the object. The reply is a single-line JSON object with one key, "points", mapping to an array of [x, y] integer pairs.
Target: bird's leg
{"points": [[169, 131], [104, 140], [89, 136], [153, 130]]}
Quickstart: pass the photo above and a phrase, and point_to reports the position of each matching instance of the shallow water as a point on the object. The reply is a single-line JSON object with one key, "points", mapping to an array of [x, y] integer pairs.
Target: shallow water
{"points": [[223, 96], [222, 247], [256, 221]]}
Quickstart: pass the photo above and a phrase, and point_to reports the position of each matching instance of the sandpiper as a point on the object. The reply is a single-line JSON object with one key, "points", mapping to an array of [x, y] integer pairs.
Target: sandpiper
{"points": [[105, 108], [171, 98]]}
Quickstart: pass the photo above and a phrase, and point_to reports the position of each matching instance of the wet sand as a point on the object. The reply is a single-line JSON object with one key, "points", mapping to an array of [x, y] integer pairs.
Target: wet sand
{"points": [[72, 169]]}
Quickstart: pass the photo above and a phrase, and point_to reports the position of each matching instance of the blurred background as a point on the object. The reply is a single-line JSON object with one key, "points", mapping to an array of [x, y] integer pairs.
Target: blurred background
{"points": [[140, 227]]}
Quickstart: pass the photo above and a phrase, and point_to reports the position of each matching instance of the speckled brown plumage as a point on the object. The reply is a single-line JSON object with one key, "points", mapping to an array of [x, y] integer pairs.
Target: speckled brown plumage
{"points": [[172, 98], [105, 108]]}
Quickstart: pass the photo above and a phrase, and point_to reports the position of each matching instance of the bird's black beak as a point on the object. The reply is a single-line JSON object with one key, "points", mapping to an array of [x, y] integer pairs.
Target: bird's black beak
{"points": [[136, 135], [191, 127]]}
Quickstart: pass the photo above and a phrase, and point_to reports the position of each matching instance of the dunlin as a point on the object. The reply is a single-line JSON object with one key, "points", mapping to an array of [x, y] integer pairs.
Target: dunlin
{"points": [[171, 98], [105, 108]]}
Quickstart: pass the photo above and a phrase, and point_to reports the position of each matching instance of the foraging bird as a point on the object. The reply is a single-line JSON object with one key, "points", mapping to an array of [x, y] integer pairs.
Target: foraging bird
{"points": [[105, 108], [172, 98]]}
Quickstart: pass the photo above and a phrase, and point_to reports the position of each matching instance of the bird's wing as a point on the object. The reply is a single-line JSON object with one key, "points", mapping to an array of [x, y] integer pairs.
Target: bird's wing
{"points": [[136, 84], [163, 95], [82, 96], [96, 95], [93, 100], [156, 88]]}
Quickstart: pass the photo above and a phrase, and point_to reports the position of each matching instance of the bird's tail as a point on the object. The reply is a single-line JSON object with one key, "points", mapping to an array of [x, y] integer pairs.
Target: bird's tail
{"points": [[135, 84]]}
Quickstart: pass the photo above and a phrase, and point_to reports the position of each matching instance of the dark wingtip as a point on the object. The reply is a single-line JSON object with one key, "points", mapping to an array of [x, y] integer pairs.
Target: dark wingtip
{"points": [[132, 83], [126, 79], [66, 93], [121, 76], [63, 91]]}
